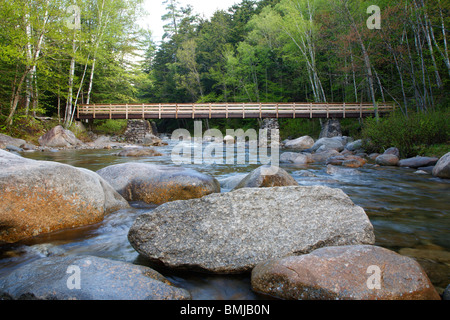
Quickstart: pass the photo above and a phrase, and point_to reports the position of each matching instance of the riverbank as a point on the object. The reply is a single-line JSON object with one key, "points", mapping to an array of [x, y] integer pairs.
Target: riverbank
{"points": [[338, 150]]}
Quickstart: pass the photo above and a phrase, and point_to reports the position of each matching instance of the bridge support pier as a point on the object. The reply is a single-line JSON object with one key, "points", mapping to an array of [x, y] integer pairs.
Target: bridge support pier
{"points": [[137, 130], [269, 124], [330, 128]]}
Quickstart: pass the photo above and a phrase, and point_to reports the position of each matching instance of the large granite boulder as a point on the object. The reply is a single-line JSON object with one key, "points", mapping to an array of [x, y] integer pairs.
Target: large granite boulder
{"points": [[157, 184], [87, 278], [41, 196], [360, 272], [232, 232]]}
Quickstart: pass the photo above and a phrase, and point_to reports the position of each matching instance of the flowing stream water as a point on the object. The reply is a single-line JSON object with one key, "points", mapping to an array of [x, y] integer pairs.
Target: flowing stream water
{"points": [[409, 211]]}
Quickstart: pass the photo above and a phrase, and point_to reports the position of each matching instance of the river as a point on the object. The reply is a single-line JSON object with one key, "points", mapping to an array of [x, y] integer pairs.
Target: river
{"points": [[409, 211]]}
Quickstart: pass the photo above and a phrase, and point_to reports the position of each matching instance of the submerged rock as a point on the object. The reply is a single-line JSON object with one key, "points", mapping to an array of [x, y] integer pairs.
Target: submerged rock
{"points": [[40, 197], [359, 272], [334, 170], [139, 152], [347, 161], [158, 184], [55, 278], [232, 232], [267, 176]]}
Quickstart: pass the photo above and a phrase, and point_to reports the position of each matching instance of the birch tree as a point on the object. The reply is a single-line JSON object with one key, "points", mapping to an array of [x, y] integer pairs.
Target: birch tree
{"points": [[40, 23], [344, 8], [299, 25]]}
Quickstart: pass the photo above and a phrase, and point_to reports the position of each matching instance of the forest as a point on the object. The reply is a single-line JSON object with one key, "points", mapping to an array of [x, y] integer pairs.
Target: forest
{"points": [[56, 54]]}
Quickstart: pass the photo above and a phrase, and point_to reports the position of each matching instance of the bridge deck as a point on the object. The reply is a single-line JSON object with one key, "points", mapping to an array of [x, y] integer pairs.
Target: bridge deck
{"points": [[230, 110]]}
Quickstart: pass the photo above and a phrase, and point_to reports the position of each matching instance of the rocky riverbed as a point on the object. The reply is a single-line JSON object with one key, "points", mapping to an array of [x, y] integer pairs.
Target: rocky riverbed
{"points": [[285, 227]]}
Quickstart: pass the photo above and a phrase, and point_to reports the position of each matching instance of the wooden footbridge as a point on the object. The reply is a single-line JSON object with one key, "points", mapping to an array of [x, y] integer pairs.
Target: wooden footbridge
{"points": [[231, 110]]}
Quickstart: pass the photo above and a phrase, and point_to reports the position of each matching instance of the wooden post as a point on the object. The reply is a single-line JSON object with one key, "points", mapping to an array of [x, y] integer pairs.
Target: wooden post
{"points": [[344, 110], [110, 111], [176, 112], [94, 110], [210, 109], [143, 112], [159, 111], [277, 110], [310, 110], [243, 111], [360, 110], [294, 109], [226, 106], [193, 111], [126, 111], [260, 110], [328, 111]]}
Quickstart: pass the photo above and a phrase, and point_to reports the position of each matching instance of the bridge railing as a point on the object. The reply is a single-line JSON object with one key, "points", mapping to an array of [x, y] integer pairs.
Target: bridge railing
{"points": [[230, 110]]}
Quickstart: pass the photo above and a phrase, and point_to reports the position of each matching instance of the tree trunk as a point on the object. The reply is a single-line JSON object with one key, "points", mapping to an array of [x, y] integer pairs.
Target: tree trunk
{"points": [[91, 80], [366, 59], [68, 113], [16, 94], [426, 31], [354, 76]]}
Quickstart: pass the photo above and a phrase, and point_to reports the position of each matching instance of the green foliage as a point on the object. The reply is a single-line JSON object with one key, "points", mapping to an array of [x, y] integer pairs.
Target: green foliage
{"points": [[110, 127], [294, 128], [27, 128], [351, 128], [412, 135], [47, 66]]}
